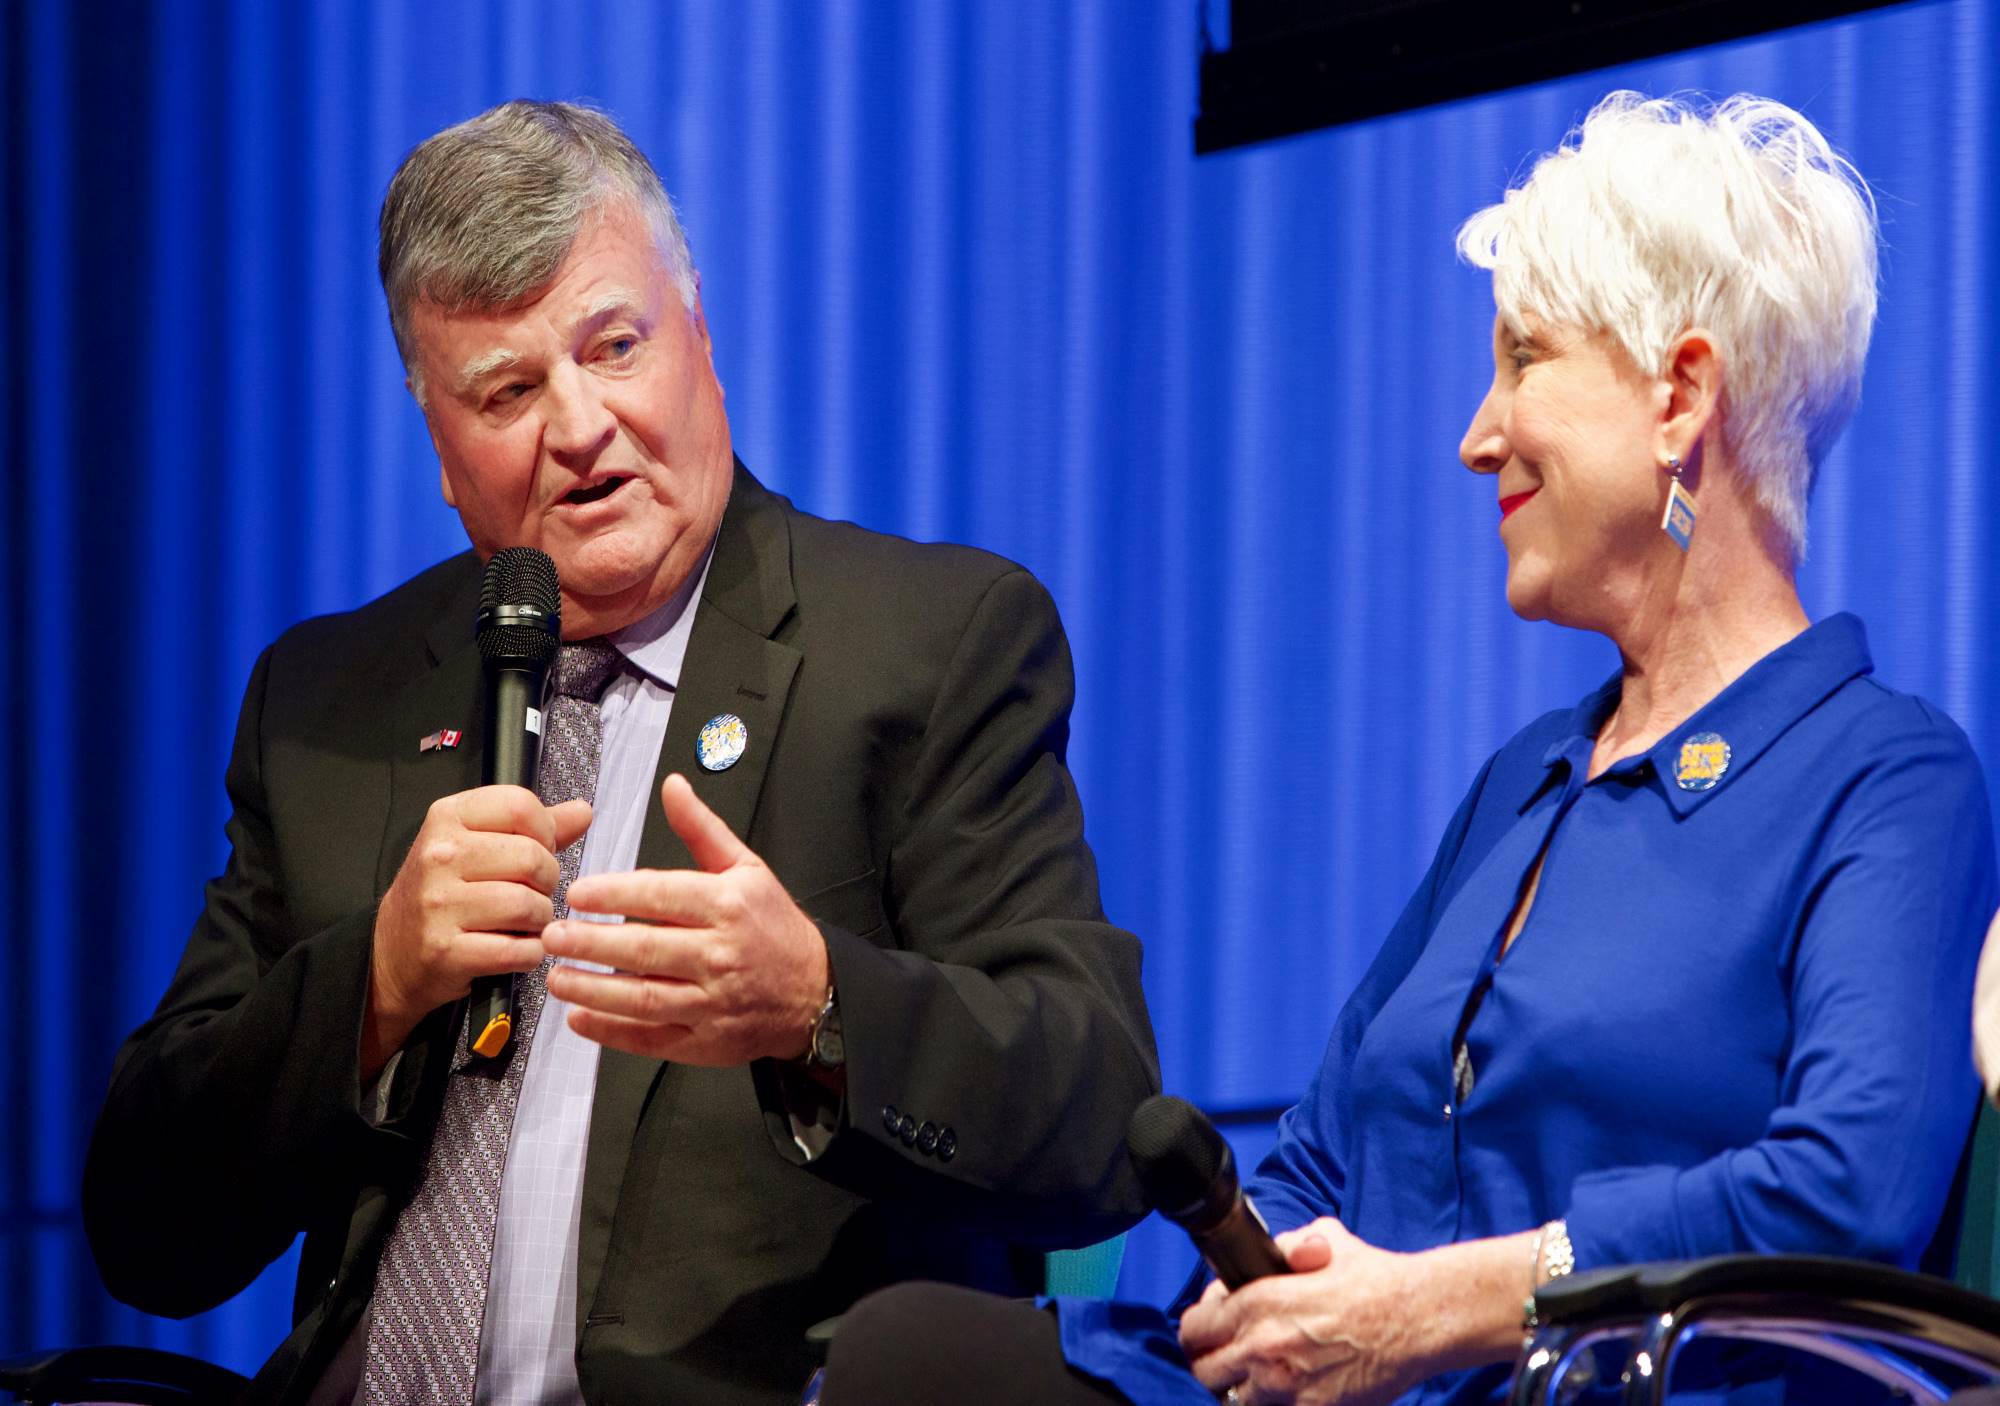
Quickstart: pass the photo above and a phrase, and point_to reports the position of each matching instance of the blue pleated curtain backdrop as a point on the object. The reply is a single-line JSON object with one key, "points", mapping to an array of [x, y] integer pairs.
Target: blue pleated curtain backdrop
{"points": [[966, 280]]}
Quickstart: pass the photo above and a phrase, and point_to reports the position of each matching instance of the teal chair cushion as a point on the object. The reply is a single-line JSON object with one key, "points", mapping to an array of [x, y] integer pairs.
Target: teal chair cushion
{"points": [[1979, 1233], [1088, 1273]]}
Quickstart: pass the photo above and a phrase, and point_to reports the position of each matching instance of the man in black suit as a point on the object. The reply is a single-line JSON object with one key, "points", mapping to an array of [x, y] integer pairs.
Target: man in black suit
{"points": [[920, 1067]]}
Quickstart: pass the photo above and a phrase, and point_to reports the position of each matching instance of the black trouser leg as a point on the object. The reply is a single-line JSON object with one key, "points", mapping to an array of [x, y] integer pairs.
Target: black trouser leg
{"points": [[921, 1344]]}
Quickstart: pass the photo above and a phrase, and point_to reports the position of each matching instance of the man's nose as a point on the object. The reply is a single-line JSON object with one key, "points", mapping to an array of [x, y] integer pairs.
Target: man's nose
{"points": [[579, 423], [1483, 449]]}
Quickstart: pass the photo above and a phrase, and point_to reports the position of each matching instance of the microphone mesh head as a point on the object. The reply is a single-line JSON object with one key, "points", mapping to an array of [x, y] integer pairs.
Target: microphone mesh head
{"points": [[520, 608], [1176, 1151]]}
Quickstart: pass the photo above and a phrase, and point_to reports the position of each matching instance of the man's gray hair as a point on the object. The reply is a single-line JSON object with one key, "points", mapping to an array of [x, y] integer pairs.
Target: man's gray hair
{"points": [[483, 214]]}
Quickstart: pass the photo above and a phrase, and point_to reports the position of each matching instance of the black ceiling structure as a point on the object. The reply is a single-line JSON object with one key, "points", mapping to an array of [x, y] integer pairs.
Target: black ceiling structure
{"points": [[1296, 65]]}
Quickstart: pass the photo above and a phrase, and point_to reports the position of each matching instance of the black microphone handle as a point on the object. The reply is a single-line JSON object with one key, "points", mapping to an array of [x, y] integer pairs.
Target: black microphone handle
{"points": [[513, 745], [514, 697], [1238, 1247]]}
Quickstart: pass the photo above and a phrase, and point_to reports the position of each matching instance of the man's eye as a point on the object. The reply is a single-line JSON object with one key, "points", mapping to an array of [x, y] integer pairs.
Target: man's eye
{"points": [[510, 393], [618, 348]]}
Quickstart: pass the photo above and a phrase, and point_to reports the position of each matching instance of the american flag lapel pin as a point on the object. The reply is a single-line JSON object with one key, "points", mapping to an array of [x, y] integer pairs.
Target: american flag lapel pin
{"points": [[442, 740]]}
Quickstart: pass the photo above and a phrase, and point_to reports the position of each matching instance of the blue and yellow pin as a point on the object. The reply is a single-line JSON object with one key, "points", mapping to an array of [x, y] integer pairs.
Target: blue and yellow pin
{"points": [[1704, 761], [721, 742]]}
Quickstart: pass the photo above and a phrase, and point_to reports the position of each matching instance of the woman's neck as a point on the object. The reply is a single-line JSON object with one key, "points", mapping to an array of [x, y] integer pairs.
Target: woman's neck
{"points": [[1726, 608]]}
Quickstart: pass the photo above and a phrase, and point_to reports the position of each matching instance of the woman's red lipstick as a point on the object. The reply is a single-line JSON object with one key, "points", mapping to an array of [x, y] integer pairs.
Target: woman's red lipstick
{"points": [[1513, 501]]}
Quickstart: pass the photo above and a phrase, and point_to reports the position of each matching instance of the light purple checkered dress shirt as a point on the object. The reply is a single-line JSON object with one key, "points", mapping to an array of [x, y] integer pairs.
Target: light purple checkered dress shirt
{"points": [[527, 1344], [527, 1348]]}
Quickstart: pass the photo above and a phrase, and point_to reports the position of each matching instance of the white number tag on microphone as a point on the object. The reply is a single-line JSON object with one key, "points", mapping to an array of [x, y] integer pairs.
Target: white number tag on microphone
{"points": [[533, 721]]}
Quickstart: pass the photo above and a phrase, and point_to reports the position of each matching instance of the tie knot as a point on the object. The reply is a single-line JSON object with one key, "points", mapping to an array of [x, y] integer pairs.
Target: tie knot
{"points": [[584, 668]]}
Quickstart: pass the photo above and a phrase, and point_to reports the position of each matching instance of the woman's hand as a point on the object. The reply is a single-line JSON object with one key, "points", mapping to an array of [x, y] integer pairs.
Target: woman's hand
{"points": [[1352, 1323], [1348, 1325]]}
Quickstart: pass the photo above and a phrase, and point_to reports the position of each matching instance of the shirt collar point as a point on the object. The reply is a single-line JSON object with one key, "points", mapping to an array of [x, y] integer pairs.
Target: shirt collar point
{"points": [[657, 645]]}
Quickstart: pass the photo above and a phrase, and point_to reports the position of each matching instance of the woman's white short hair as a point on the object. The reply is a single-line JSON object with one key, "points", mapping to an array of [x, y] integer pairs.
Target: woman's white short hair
{"points": [[1658, 215]]}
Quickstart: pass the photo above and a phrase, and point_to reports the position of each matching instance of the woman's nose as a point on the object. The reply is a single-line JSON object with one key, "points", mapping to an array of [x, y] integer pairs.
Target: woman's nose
{"points": [[1484, 448]]}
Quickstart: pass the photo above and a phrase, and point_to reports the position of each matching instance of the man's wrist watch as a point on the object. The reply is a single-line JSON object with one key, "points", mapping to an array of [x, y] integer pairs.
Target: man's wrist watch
{"points": [[827, 1050]]}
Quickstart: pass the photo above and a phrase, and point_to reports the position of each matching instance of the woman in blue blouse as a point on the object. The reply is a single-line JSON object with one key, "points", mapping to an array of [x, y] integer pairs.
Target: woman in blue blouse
{"points": [[1691, 971]]}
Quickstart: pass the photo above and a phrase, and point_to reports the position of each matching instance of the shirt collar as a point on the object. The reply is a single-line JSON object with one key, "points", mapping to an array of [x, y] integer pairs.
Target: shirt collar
{"points": [[657, 644], [1745, 718]]}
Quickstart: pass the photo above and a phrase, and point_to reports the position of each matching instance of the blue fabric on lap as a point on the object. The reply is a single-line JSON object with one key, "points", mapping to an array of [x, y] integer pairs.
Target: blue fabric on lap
{"points": [[1134, 1347]]}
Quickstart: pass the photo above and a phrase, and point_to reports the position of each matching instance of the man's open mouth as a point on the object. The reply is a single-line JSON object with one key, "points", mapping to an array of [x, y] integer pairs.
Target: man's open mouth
{"points": [[595, 492]]}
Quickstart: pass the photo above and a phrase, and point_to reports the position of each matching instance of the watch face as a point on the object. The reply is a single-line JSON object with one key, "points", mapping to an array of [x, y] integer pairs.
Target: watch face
{"points": [[829, 1051]]}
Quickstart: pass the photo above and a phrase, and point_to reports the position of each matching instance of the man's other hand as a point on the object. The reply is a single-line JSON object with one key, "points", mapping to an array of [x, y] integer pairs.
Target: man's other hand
{"points": [[470, 900], [712, 966]]}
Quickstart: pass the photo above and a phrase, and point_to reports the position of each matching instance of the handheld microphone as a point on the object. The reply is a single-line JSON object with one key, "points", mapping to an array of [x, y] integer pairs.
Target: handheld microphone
{"points": [[519, 628], [1189, 1176]]}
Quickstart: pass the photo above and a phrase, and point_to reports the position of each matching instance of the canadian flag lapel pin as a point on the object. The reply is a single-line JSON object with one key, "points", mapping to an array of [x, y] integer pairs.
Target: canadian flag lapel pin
{"points": [[442, 740]]}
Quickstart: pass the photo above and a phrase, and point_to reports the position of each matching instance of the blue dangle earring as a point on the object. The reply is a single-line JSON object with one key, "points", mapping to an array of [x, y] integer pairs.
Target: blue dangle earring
{"points": [[1678, 523]]}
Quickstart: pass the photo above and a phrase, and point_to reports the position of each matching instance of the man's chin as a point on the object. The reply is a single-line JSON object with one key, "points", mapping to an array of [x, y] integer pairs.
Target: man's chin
{"points": [[606, 587], [613, 564]]}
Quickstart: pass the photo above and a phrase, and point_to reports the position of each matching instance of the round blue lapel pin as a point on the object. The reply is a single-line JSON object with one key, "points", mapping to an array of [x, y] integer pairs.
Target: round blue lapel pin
{"points": [[721, 743], [1704, 761]]}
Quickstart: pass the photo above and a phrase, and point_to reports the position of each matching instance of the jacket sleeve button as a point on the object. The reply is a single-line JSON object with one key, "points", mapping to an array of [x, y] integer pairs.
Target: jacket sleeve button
{"points": [[891, 1119], [947, 1144], [906, 1129], [927, 1138]]}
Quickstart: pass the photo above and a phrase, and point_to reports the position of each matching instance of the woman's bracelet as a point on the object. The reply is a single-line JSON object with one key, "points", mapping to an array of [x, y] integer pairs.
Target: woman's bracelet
{"points": [[1553, 1257]]}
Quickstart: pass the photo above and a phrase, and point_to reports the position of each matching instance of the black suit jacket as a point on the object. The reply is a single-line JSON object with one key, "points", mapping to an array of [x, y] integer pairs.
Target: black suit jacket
{"points": [[907, 710]]}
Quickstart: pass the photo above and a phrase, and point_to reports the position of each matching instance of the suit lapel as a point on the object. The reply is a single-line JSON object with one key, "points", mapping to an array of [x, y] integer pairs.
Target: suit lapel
{"points": [[445, 696], [732, 666]]}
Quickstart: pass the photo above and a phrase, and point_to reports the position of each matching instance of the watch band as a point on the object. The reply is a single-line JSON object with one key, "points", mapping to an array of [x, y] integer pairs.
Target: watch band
{"points": [[826, 1049]]}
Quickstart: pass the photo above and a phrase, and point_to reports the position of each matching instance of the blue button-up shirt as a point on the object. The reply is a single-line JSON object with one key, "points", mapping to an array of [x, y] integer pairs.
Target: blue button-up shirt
{"points": [[1736, 1019]]}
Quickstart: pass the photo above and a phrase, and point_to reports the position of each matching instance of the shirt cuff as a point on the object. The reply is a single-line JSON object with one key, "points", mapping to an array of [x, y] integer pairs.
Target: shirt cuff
{"points": [[375, 1100], [1630, 1215], [811, 1108]]}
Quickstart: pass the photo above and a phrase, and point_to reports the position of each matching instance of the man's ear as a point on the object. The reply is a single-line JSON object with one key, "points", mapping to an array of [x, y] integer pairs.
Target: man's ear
{"points": [[1694, 376], [700, 316], [437, 447]]}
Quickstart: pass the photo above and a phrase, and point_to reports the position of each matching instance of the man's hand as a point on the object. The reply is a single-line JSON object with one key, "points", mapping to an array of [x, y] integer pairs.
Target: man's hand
{"points": [[714, 966], [1345, 1326], [470, 900]]}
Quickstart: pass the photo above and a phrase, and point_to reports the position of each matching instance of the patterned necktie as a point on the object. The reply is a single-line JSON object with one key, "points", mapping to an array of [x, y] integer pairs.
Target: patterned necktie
{"points": [[430, 1289]]}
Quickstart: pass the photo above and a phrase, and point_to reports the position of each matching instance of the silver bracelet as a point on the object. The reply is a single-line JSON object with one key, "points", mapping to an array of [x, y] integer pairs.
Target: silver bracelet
{"points": [[1557, 1256], [1551, 1258]]}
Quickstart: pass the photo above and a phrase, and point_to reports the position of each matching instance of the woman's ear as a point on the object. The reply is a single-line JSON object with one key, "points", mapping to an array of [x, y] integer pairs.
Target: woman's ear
{"points": [[1694, 391]]}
